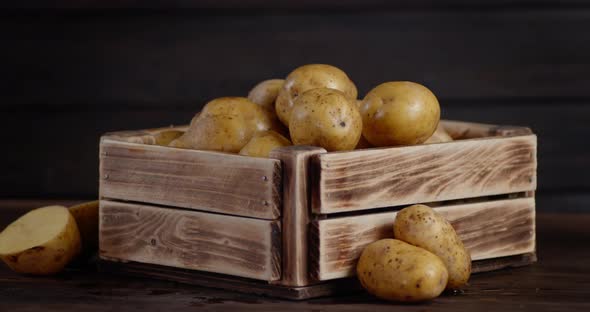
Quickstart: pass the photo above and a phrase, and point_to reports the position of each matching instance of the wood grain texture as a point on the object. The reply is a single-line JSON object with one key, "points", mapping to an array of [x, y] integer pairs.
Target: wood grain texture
{"points": [[296, 211], [488, 229], [148, 136], [471, 130], [209, 242], [201, 180], [559, 281], [338, 287], [364, 179]]}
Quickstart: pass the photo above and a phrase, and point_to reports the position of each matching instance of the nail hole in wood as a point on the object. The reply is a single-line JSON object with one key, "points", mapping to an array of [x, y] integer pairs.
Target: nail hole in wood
{"points": [[153, 242], [264, 178]]}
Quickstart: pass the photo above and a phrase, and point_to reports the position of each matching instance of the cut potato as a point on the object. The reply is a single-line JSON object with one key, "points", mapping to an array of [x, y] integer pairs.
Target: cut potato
{"points": [[86, 215], [41, 242]]}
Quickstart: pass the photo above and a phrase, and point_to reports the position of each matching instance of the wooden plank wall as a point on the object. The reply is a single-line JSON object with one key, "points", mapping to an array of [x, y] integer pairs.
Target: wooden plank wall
{"points": [[69, 76]]}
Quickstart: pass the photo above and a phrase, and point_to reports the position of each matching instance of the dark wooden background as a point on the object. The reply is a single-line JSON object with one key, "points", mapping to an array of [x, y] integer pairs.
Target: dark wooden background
{"points": [[69, 75]]}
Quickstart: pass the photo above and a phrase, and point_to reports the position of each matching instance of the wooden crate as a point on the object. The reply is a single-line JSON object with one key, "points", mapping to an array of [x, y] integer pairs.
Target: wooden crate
{"points": [[293, 226]]}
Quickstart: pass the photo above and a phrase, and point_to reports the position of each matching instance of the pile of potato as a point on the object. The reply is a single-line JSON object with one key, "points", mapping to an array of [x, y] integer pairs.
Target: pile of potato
{"points": [[316, 105], [425, 258]]}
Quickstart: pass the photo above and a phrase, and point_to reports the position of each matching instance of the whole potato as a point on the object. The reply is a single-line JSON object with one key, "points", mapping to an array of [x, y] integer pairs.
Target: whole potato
{"points": [[164, 138], [326, 118], [440, 135], [262, 143], [41, 242], [265, 93], [394, 270], [421, 226], [399, 113], [226, 125], [309, 77], [86, 216], [362, 144]]}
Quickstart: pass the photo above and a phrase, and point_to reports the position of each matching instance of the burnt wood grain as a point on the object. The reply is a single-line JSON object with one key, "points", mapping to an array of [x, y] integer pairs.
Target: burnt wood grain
{"points": [[39, 170], [559, 281], [296, 211], [489, 229], [188, 239], [338, 287], [201, 180], [396, 176]]}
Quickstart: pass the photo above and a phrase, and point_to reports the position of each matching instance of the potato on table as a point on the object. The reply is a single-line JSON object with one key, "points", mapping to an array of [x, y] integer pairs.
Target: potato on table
{"points": [[421, 226], [86, 216], [394, 270], [41, 242]]}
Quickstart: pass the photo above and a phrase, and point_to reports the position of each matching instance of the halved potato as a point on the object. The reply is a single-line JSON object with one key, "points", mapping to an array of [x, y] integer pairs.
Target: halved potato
{"points": [[41, 242]]}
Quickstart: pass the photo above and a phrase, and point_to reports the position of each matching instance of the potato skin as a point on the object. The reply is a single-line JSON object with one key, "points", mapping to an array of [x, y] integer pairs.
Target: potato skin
{"points": [[262, 143], [86, 216], [226, 125], [421, 226], [394, 270], [164, 138], [326, 118], [265, 93], [399, 113], [440, 135], [50, 257], [309, 77]]}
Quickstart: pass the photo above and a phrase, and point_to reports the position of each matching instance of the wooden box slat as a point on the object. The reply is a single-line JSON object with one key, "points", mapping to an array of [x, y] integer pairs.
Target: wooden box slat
{"points": [[208, 181], [385, 177], [187, 239], [488, 229]]}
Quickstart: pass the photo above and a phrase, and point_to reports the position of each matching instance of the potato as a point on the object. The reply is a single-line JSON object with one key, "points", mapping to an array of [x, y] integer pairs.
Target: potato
{"points": [[421, 226], [262, 143], [309, 77], [399, 113], [225, 125], [362, 144], [40, 242], [265, 93], [394, 270], [440, 135], [86, 216], [164, 138], [326, 118]]}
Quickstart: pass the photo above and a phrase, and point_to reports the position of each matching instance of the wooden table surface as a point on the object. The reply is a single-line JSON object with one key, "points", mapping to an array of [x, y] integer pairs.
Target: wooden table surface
{"points": [[559, 281]]}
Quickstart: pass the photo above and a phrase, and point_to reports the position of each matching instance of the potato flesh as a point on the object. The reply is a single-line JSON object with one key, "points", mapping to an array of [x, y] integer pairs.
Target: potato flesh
{"points": [[421, 226], [35, 228], [41, 242], [394, 270]]}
